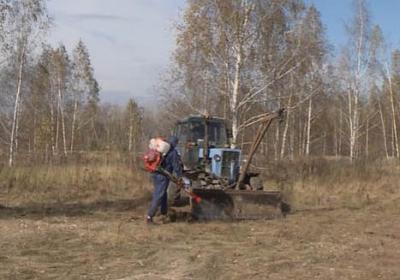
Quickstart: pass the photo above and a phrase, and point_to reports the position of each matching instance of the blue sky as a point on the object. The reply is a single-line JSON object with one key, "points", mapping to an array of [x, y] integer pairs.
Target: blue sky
{"points": [[335, 13], [130, 41]]}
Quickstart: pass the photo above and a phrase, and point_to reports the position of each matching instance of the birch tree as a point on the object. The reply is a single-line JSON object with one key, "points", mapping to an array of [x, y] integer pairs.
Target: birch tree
{"points": [[41, 100], [393, 86], [376, 84], [356, 61], [25, 22], [235, 52], [85, 91], [60, 77]]}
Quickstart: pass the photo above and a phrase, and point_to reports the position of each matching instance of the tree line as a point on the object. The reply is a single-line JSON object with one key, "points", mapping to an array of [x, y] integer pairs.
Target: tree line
{"points": [[240, 59], [49, 99], [233, 59]]}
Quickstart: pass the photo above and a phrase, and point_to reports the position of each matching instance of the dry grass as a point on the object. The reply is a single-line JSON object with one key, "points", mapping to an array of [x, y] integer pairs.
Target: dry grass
{"points": [[75, 223], [70, 184], [341, 244], [327, 184]]}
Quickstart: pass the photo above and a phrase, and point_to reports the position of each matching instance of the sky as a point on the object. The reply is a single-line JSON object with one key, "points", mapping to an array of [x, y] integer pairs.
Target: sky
{"points": [[335, 13], [131, 41]]}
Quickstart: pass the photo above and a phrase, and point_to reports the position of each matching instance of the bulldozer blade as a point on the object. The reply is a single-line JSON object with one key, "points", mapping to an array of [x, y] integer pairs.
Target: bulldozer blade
{"points": [[219, 204]]}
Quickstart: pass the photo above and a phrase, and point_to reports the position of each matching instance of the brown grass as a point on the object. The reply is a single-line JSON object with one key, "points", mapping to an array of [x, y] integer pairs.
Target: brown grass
{"points": [[341, 244], [75, 222], [322, 184], [71, 183]]}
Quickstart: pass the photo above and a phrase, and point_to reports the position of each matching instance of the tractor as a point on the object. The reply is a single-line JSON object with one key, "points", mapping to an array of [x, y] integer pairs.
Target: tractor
{"points": [[220, 174]]}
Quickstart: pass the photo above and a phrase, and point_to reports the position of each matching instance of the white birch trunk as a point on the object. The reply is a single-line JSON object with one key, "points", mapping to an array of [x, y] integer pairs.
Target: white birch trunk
{"points": [[235, 96], [291, 142], [336, 139], [284, 136], [17, 128], [301, 135], [395, 139], [130, 136], [277, 133], [73, 125], [304, 139], [285, 130], [354, 93], [353, 122], [276, 144], [14, 128], [288, 114], [57, 125], [61, 108], [53, 147], [309, 127], [383, 129]]}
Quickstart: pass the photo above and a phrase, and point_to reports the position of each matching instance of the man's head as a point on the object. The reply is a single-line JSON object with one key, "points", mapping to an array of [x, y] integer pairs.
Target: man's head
{"points": [[173, 141]]}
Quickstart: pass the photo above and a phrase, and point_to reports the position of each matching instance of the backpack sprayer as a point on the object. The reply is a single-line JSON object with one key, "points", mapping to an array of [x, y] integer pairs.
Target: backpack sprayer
{"points": [[152, 163]]}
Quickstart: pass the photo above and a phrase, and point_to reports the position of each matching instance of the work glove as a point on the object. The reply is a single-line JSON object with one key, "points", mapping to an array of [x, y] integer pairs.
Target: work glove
{"points": [[186, 183]]}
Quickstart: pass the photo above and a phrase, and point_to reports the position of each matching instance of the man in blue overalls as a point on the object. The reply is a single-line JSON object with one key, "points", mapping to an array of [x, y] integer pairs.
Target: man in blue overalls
{"points": [[172, 164]]}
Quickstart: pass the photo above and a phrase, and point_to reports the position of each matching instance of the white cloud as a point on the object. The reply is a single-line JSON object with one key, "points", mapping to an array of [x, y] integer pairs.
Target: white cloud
{"points": [[130, 41]]}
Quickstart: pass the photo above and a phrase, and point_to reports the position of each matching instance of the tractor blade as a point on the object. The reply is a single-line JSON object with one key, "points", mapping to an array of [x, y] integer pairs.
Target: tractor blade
{"points": [[237, 204]]}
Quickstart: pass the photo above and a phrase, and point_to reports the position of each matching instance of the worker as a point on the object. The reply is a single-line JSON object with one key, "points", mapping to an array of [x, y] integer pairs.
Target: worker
{"points": [[172, 164]]}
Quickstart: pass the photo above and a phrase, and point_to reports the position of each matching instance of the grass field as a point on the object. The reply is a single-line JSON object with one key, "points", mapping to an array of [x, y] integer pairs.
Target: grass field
{"points": [[87, 223]]}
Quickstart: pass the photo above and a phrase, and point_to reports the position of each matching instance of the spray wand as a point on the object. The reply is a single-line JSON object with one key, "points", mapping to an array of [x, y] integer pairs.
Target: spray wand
{"points": [[179, 183]]}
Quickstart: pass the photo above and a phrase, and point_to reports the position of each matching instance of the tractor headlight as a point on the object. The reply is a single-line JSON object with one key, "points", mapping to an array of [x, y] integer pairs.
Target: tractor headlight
{"points": [[217, 158]]}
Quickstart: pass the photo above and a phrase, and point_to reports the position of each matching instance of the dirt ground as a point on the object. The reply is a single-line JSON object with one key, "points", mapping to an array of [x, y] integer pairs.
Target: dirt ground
{"points": [[103, 241]]}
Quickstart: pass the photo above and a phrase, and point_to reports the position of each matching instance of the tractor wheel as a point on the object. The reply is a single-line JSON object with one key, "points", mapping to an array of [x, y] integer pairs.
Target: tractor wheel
{"points": [[256, 183]]}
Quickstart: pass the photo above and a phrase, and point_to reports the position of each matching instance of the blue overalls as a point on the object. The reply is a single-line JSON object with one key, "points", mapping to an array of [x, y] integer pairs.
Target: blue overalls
{"points": [[172, 164]]}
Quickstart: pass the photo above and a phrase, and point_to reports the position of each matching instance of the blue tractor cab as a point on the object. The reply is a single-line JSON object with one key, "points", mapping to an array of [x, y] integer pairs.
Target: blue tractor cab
{"points": [[207, 150]]}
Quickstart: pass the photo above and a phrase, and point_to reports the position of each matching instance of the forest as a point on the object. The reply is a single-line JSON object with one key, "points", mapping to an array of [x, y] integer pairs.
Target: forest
{"points": [[73, 193], [240, 59], [49, 102], [233, 59]]}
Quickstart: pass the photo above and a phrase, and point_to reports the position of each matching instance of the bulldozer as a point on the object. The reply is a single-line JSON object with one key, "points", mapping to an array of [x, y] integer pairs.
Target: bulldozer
{"points": [[219, 174]]}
